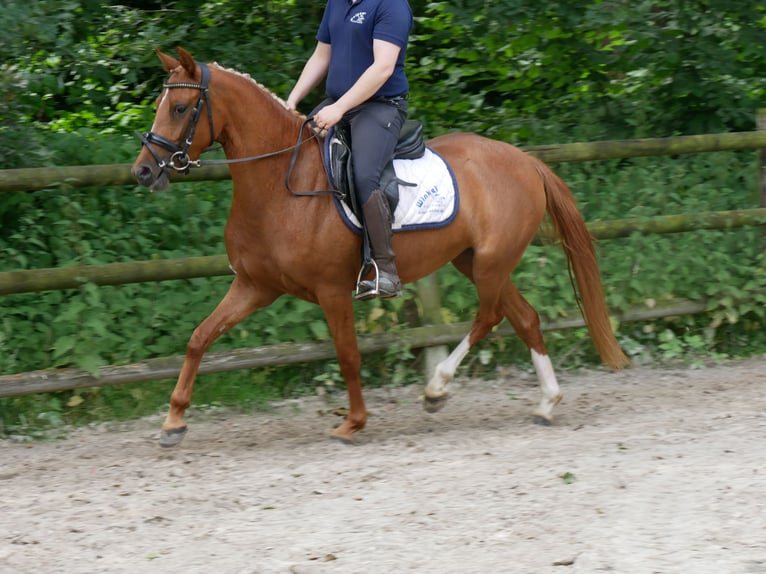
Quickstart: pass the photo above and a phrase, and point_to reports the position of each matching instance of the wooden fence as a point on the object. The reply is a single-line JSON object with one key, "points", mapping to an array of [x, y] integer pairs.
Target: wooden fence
{"points": [[33, 179], [62, 178]]}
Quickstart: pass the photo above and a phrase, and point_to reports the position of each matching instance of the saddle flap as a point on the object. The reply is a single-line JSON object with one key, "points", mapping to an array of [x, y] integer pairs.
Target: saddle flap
{"points": [[339, 152], [410, 144]]}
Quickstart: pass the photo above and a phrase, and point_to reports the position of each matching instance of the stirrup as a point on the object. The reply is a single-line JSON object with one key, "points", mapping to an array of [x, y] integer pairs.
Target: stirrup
{"points": [[369, 293]]}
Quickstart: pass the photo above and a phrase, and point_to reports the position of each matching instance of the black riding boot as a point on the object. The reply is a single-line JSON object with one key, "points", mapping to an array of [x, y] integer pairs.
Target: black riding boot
{"points": [[377, 221]]}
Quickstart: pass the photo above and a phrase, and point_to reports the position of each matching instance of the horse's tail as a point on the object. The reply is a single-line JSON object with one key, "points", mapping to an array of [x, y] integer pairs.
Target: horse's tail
{"points": [[577, 243]]}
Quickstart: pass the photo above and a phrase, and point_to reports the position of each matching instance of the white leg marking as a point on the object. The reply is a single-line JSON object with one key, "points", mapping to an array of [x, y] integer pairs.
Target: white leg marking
{"points": [[548, 385], [445, 370]]}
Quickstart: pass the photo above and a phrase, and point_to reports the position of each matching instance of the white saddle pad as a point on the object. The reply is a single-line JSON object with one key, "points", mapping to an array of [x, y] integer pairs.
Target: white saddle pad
{"points": [[432, 202]]}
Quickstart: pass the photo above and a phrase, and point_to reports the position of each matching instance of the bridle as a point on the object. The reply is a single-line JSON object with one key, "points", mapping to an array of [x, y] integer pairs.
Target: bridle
{"points": [[179, 158]]}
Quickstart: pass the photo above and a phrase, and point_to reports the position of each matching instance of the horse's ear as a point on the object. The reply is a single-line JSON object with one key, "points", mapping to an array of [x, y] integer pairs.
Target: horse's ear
{"points": [[187, 61], [169, 62]]}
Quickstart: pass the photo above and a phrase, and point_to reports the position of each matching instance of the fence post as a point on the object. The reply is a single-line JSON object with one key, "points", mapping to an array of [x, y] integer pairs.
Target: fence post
{"points": [[431, 301], [761, 125]]}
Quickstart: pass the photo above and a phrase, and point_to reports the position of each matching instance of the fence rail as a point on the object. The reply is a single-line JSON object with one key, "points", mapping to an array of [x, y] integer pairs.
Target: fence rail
{"points": [[36, 280], [35, 179], [51, 380]]}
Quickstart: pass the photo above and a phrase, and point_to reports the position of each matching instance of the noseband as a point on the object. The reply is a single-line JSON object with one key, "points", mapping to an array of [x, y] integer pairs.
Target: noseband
{"points": [[179, 159]]}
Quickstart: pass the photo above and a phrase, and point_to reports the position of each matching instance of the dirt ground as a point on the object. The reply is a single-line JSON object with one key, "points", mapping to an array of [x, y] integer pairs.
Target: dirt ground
{"points": [[644, 471]]}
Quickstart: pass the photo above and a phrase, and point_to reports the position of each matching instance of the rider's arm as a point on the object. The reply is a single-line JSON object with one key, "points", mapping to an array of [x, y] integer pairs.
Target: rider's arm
{"points": [[373, 78], [313, 72]]}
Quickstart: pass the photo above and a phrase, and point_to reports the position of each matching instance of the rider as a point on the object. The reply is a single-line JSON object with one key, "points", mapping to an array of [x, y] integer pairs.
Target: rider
{"points": [[361, 48]]}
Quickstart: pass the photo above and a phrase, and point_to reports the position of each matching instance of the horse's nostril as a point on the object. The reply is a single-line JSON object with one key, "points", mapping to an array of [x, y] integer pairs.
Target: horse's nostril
{"points": [[143, 174]]}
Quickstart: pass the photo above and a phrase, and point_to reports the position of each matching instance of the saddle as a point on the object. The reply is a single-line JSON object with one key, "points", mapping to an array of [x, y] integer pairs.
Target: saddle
{"points": [[410, 146]]}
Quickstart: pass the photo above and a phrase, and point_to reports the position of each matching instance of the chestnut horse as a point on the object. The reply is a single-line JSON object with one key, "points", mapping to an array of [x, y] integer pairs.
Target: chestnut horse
{"points": [[281, 242]]}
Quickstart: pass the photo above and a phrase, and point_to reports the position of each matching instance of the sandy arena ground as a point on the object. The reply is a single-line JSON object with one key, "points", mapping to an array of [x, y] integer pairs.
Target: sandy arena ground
{"points": [[644, 471]]}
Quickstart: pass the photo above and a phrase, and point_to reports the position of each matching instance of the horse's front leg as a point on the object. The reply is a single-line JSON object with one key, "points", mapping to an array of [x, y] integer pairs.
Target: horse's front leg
{"points": [[339, 311], [241, 301]]}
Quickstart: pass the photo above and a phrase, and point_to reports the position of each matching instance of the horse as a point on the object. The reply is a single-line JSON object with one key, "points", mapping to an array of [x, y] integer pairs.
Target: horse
{"points": [[281, 242]]}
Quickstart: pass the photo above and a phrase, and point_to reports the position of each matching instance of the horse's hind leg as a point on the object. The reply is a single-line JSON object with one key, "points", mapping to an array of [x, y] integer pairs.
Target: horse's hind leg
{"points": [[436, 393], [526, 323], [241, 301], [488, 282]]}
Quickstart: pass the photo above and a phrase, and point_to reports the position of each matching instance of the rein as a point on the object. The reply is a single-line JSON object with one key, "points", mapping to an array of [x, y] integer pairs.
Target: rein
{"points": [[295, 148], [180, 160]]}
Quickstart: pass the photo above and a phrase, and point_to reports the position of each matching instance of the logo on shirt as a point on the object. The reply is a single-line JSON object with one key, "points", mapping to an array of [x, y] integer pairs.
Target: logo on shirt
{"points": [[358, 18]]}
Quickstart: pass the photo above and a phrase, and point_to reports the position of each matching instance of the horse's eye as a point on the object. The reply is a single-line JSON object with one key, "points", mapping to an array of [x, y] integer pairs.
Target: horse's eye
{"points": [[179, 109]]}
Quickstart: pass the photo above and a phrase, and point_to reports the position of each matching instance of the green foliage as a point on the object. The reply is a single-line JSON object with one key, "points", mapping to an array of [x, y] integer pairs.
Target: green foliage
{"points": [[78, 76], [588, 69]]}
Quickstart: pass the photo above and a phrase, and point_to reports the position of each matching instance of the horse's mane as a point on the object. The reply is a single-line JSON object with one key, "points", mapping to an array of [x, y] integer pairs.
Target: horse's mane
{"points": [[257, 84]]}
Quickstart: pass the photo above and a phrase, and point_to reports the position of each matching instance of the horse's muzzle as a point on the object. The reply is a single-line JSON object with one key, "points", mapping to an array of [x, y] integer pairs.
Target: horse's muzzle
{"points": [[150, 176]]}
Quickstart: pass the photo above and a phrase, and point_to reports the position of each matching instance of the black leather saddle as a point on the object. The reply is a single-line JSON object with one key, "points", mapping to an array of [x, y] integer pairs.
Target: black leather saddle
{"points": [[410, 146]]}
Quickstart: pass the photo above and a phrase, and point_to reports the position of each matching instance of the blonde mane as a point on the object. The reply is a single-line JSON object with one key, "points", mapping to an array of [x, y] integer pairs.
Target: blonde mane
{"points": [[249, 78]]}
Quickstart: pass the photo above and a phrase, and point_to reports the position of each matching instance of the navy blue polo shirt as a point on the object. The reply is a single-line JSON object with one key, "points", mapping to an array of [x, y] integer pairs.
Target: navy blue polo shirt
{"points": [[350, 29]]}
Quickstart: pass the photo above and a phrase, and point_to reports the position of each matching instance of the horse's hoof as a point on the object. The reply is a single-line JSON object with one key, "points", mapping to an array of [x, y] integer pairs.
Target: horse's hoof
{"points": [[435, 404], [172, 437], [541, 420], [345, 438]]}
